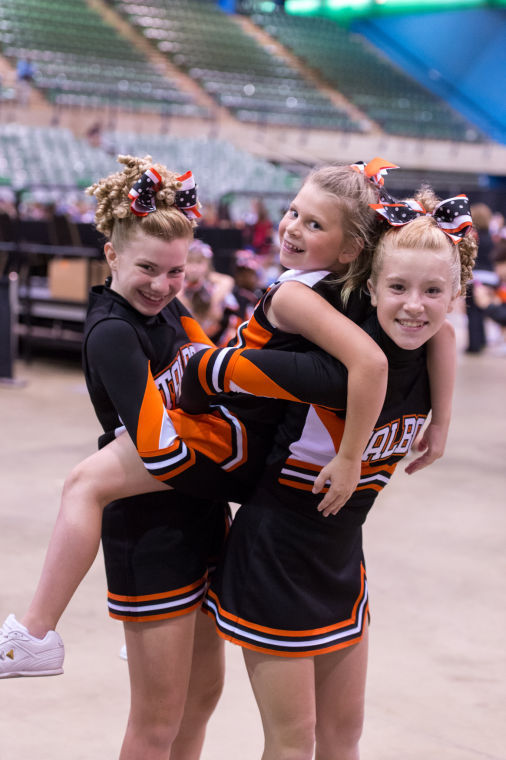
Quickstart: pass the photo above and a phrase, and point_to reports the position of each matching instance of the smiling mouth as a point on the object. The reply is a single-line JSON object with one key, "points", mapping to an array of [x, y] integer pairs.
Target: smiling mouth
{"points": [[291, 248], [152, 299], [411, 323]]}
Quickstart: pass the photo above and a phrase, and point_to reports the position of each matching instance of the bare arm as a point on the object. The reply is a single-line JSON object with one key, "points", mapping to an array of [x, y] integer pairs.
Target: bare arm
{"points": [[296, 308], [441, 363]]}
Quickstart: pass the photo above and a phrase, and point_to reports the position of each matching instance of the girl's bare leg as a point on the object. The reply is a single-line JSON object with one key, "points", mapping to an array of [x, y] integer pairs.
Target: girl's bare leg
{"points": [[159, 663], [284, 692], [340, 690], [114, 472], [204, 690]]}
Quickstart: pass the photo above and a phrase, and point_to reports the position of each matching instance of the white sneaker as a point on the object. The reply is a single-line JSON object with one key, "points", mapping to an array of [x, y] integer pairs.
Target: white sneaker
{"points": [[22, 654]]}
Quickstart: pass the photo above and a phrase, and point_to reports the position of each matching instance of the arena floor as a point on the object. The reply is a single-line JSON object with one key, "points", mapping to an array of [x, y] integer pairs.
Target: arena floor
{"points": [[435, 547]]}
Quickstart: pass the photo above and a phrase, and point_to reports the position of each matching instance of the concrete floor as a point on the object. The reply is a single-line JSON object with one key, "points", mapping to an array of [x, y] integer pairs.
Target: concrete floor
{"points": [[436, 565]]}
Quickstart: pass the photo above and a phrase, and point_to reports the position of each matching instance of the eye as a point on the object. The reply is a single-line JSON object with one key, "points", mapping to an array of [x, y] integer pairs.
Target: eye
{"points": [[292, 213], [397, 287], [434, 290], [314, 225], [176, 272], [147, 267]]}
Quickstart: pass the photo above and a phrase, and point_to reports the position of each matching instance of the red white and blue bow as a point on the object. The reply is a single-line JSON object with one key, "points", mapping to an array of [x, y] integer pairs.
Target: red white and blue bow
{"points": [[375, 169], [186, 197], [452, 215], [143, 192]]}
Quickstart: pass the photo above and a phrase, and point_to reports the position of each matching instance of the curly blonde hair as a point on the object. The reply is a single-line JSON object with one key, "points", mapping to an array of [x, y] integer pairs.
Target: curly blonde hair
{"points": [[354, 193], [115, 220], [423, 232]]}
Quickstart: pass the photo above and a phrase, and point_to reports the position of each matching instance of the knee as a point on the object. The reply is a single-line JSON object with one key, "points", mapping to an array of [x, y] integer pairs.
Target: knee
{"points": [[153, 733], [291, 741], [202, 699], [340, 738], [82, 484]]}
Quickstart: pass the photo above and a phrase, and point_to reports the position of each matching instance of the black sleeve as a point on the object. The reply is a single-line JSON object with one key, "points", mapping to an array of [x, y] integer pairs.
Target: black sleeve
{"points": [[313, 377], [119, 364]]}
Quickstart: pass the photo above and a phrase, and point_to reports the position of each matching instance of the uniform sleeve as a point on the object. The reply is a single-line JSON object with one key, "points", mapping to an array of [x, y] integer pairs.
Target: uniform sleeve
{"points": [[313, 377], [119, 362]]}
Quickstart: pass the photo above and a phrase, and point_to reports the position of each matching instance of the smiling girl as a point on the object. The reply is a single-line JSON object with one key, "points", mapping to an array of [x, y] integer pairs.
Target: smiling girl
{"points": [[292, 588], [328, 233]]}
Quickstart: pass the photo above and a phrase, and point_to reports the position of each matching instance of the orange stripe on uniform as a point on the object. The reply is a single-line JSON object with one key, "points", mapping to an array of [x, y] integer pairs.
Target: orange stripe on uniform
{"points": [[296, 484], [254, 335], [153, 597], [151, 416], [281, 653], [248, 377], [195, 332], [207, 433], [370, 469], [296, 634], [162, 616]]}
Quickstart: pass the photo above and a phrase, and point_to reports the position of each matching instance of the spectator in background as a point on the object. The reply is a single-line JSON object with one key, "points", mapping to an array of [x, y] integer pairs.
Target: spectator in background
{"points": [[482, 216], [261, 230], [492, 299], [205, 292], [240, 305], [25, 73]]}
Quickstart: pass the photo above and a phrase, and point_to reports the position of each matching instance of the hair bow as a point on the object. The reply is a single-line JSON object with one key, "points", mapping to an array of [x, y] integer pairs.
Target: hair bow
{"points": [[186, 197], [143, 192], [375, 169], [452, 215]]}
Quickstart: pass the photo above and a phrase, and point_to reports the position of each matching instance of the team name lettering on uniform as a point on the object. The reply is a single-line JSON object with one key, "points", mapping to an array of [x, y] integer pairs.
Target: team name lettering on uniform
{"points": [[169, 381], [394, 439]]}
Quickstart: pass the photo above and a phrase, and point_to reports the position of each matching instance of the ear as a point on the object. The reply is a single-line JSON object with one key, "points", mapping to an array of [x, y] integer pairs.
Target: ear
{"points": [[111, 256], [372, 292], [352, 249]]}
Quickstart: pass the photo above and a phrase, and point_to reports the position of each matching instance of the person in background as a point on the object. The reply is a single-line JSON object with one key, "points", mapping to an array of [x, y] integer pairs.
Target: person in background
{"points": [[245, 294], [491, 299], [483, 273], [205, 292], [261, 230]]}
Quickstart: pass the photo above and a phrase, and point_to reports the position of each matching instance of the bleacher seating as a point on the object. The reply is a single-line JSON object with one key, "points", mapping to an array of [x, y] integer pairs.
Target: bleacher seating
{"points": [[237, 72], [398, 104], [52, 156], [80, 60]]}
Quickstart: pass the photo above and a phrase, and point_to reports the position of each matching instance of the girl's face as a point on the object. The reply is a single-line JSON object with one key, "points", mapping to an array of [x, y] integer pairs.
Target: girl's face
{"points": [[311, 233], [149, 271], [413, 294]]}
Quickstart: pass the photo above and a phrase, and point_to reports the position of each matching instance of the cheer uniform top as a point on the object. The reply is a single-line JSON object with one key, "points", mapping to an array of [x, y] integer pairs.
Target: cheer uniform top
{"points": [[224, 426], [292, 582], [158, 547]]}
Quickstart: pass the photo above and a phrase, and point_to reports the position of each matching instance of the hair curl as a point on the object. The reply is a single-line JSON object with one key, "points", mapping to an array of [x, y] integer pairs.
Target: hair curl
{"points": [[423, 232], [115, 220]]}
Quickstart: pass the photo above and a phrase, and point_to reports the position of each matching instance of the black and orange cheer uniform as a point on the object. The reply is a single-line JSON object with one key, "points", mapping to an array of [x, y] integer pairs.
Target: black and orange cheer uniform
{"points": [[226, 427], [158, 547], [292, 583]]}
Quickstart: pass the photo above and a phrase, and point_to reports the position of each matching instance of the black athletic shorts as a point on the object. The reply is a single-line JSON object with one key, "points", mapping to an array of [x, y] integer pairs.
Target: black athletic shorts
{"points": [[159, 551]]}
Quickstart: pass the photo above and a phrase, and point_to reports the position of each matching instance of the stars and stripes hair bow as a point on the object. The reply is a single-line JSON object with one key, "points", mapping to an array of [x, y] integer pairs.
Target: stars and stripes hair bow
{"points": [[142, 193], [186, 197], [375, 169], [453, 215]]}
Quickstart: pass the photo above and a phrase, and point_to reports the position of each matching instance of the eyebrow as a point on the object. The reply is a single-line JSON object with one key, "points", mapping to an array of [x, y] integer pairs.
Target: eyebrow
{"points": [[314, 216], [432, 278]]}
